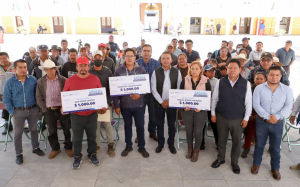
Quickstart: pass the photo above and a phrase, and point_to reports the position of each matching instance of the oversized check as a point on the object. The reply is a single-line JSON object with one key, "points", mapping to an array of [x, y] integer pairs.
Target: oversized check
{"points": [[126, 85], [83, 100], [195, 99]]}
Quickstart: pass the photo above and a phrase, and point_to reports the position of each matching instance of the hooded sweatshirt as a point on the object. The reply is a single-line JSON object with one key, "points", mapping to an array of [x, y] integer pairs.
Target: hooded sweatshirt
{"points": [[126, 101]]}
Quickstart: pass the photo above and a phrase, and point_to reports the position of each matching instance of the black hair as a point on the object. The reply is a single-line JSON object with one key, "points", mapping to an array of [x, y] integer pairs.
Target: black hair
{"points": [[125, 42], [4, 54], [209, 53], [87, 44], [174, 39], [188, 40], [234, 61], [244, 50], [224, 41], [239, 45], [72, 50], [180, 41], [147, 45], [274, 68], [260, 73], [17, 61], [63, 41], [129, 49], [259, 42], [166, 53], [223, 48]]}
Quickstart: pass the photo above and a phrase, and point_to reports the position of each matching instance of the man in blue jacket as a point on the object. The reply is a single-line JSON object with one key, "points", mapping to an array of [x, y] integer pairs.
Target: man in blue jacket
{"points": [[20, 102]]}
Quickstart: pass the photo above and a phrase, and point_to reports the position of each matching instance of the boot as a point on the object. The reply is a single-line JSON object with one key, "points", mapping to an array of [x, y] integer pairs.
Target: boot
{"points": [[111, 150], [195, 155], [190, 152]]}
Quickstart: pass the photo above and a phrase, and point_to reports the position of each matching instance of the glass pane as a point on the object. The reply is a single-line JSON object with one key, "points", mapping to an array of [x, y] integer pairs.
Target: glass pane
{"points": [[61, 21], [103, 21], [19, 21], [55, 21], [242, 22], [108, 20]]}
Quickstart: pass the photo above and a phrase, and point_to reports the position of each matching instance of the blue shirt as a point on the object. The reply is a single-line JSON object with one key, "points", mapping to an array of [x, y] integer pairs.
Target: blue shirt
{"points": [[150, 67], [194, 55], [18, 94], [278, 103], [285, 57], [166, 87], [177, 52]]}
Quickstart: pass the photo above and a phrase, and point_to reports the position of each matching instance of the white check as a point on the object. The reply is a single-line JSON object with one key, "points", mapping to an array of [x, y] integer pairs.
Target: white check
{"points": [[195, 99], [83, 100], [126, 85]]}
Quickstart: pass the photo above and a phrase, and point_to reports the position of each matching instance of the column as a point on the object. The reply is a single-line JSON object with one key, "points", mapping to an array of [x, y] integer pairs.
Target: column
{"points": [[228, 21], [291, 25], [251, 26]]}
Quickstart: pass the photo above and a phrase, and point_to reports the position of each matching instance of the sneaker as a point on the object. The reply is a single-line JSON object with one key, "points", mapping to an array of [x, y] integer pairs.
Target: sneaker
{"points": [[143, 151], [126, 150], [202, 147], [94, 160], [77, 162], [38, 151], [19, 159]]}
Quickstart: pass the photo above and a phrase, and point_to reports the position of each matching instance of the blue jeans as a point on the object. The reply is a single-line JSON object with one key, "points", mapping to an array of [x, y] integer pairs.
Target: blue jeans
{"points": [[160, 119], [138, 115], [149, 100], [274, 132]]}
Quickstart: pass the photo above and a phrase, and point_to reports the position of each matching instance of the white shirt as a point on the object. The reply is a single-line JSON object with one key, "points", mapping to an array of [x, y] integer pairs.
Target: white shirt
{"points": [[65, 55], [248, 99]]}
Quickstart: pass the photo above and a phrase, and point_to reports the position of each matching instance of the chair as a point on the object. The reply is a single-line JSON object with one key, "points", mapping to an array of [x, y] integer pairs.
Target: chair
{"points": [[7, 124], [288, 126], [40, 128]]}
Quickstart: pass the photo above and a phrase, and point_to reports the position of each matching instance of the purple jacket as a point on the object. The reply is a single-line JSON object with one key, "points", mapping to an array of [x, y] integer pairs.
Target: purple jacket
{"points": [[126, 101]]}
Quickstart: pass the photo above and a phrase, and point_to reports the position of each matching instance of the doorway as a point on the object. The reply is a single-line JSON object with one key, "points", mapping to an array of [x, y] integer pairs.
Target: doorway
{"points": [[195, 25], [19, 21], [285, 24], [58, 24], [245, 23], [105, 23], [151, 15]]}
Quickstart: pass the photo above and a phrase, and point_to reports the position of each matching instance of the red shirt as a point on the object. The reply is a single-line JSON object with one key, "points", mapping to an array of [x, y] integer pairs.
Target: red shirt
{"points": [[76, 83]]}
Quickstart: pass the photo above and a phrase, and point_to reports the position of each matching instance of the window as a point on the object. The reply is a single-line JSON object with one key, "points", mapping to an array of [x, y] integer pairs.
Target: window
{"points": [[108, 20], [55, 21], [61, 21]]}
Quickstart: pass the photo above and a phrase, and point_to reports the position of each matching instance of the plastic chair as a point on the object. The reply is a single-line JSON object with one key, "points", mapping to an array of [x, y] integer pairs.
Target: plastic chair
{"points": [[40, 125], [7, 124], [288, 126]]}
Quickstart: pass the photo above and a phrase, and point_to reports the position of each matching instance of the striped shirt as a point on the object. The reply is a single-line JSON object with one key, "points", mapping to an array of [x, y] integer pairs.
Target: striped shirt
{"points": [[53, 92]]}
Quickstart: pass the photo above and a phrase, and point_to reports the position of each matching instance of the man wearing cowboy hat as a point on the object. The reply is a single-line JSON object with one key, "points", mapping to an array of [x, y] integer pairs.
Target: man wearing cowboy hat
{"points": [[243, 60], [55, 54], [48, 98]]}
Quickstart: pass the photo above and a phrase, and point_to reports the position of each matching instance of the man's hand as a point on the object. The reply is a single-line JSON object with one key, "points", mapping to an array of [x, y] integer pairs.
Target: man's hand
{"points": [[118, 111], [13, 115], [135, 96], [244, 123], [187, 108], [292, 119], [102, 111], [197, 110], [62, 112], [214, 119], [165, 104], [272, 119]]}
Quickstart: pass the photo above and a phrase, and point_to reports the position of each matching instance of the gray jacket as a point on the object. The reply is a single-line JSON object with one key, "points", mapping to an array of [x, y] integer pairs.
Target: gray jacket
{"points": [[4, 75], [41, 88]]}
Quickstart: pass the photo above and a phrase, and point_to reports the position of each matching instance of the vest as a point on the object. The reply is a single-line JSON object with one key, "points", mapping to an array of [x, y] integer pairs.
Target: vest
{"points": [[160, 78], [200, 86], [231, 104]]}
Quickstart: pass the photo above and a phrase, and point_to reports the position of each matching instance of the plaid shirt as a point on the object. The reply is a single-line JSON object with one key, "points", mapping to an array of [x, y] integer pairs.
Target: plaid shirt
{"points": [[53, 93], [150, 67]]}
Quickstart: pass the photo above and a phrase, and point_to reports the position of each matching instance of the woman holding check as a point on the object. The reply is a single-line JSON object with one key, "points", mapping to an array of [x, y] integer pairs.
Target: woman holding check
{"points": [[194, 119]]}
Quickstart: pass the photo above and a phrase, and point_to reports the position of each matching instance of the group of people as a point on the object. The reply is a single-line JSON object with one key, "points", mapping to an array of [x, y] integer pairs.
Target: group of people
{"points": [[250, 95], [41, 29], [211, 30]]}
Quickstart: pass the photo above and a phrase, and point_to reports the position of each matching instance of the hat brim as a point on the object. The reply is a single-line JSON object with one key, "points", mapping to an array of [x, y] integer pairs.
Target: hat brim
{"points": [[238, 57], [43, 68]]}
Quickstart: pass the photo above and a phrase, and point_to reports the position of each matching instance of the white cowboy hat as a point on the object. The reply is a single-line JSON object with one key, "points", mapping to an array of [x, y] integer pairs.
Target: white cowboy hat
{"points": [[241, 56], [48, 64], [275, 59]]}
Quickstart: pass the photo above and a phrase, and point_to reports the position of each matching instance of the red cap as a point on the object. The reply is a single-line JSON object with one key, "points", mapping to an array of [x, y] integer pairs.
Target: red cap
{"points": [[111, 36], [82, 60], [101, 45]]}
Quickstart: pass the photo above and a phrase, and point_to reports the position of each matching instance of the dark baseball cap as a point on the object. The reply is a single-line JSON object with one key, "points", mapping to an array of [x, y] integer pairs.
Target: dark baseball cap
{"points": [[289, 41], [208, 67], [54, 47], [266, 55], [143, 40], [43, 47], [245, 38]]}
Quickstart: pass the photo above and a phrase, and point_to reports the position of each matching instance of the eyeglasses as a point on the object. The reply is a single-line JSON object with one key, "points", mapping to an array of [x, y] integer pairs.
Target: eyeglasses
{"points": [[189, 44], [129, 56], [266, 60]]}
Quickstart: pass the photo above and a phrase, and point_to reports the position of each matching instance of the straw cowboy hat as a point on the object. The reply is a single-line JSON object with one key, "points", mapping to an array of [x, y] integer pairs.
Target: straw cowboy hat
{"points": [[241, 56], [276, 60], [48, 64]]}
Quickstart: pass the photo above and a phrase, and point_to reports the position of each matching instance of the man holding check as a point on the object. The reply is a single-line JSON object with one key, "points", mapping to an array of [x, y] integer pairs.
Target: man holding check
{"points": [[85, 120], [131, 105]]}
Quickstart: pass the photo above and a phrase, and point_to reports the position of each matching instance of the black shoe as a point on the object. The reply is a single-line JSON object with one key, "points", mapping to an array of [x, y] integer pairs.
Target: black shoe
{"points": [[77, 162], [202, 147], [27, 130], [143, 151], [94, 160], [38, 151], [159, 148], [236, 168], [126, 150], [245, 153], [172, 149], [217, 163], [19, 159]]}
